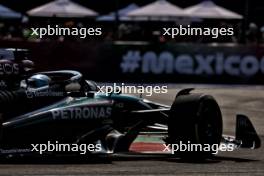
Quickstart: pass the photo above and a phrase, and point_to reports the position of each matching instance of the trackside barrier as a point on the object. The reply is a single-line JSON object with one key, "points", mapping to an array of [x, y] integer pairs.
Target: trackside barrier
{"points": [[145, 62]]}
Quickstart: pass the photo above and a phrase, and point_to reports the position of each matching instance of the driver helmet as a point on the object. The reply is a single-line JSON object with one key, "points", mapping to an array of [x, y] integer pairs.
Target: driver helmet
{"points": [[39, 80]]}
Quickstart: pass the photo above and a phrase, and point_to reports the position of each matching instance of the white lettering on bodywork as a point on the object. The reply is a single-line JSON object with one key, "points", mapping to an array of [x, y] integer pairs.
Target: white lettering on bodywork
{"points": [[82, 113]]}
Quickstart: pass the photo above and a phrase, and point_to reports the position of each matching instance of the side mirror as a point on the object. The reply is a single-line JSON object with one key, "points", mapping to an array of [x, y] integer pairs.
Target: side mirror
{"points": [[90, 94]]}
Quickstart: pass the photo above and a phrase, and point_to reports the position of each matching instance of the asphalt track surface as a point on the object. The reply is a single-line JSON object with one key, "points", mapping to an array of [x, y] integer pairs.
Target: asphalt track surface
{"points": [[247, 100]]}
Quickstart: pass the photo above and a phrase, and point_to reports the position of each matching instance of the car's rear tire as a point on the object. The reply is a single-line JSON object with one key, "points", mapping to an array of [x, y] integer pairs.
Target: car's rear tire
{"points": [[195, 119]]}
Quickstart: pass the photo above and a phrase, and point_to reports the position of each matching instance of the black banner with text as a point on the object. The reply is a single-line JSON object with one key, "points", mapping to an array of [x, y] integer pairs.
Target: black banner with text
{"points": [[144, 62]]}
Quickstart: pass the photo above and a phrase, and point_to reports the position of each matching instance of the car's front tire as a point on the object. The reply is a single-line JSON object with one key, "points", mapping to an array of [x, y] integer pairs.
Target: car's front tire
{"points": [[195, 119]]}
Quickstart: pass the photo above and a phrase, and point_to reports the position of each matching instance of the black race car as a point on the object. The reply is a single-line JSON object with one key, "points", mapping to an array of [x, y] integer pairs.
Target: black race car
{"points": [[60, 107]]}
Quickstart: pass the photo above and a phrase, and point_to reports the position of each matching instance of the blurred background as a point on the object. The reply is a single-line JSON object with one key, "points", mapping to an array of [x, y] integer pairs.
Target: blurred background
{"points": [[132, 47]]}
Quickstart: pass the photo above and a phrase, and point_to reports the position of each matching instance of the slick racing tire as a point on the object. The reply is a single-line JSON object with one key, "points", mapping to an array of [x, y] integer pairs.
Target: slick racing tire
{"points": [[195, 122]]}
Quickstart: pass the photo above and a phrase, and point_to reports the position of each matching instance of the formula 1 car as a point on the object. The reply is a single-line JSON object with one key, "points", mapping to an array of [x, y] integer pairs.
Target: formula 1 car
{"points": [[63, 107]]}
